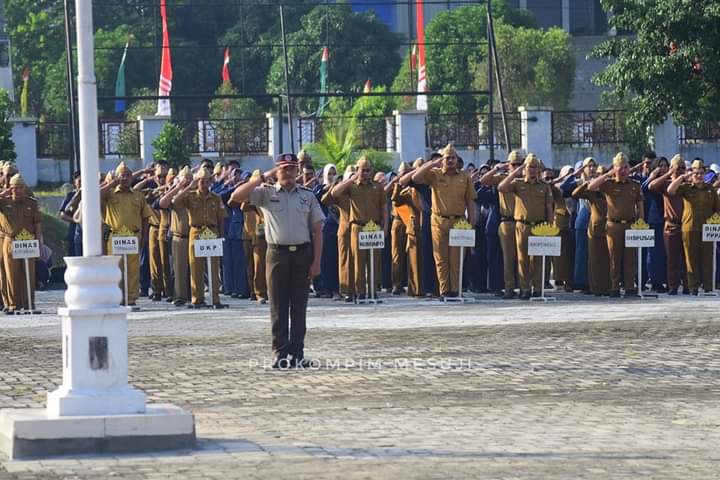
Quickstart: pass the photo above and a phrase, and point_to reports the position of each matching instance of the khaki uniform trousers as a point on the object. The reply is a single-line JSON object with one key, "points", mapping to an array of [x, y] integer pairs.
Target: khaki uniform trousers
{"points": [[156, 270], [133, 275], [447, 259], [506, 233], [529, 268], [197, 272], [598, 265], [399, 253], [181, 267], [698, 260], [621, 259], [255, 253], [674, 253], [346, 264], [14, 272], [361, 260], [166, 262], [414, 264]]}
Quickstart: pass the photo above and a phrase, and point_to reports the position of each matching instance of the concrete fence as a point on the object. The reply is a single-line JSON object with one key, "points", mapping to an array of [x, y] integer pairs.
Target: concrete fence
{"points": [[558, 138]]}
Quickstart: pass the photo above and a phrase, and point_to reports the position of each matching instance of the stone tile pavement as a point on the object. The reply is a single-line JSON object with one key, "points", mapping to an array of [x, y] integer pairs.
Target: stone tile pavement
{"points": [[508, 390]]}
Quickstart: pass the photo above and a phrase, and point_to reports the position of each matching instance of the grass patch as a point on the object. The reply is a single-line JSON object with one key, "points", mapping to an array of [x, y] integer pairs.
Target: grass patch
{"points": [[51, 189]]}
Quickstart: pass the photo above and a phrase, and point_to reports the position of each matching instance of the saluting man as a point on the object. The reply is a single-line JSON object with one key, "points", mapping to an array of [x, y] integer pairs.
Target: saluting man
{"points": [[19, 213], [126, 210], [180, 231], [205, 212], [453, 194]]}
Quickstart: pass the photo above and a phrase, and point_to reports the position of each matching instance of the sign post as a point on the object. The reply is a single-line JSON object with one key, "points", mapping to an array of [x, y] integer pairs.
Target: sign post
{"points": [[209, 248], [370, 238], [125, 245], [24, 247], [544, 242], [711, 233], [639, 236], [461, 235]]}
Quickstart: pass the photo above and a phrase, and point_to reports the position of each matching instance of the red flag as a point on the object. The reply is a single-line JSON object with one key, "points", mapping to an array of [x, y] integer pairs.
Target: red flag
{"points": [[422, 79], [166, 67], [226, 66], [368, 86]]}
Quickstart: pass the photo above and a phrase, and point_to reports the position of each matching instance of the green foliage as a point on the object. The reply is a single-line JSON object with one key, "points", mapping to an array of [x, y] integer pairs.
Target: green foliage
{"points": [[234, 107], [650, 78], [170, 145], [350, 65], [374, 106], [537, 67], [7, 146], [339, 145]]}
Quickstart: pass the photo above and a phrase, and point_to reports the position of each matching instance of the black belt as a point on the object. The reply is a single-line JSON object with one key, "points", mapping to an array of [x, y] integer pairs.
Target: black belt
{"points": [[177, 235], [506, 219], [133, 232], [525, 222], [448, 217], [289, 248], [203, 226], [622, 222]]}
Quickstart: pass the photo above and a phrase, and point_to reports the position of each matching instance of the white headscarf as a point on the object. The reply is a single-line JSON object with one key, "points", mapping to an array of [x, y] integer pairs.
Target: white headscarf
{"points": [[326, 174], [565, 170]]}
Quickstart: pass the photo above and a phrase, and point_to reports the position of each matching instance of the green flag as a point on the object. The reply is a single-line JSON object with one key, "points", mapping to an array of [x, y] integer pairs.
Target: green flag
{"points": [[120, 82], [323, 80]]}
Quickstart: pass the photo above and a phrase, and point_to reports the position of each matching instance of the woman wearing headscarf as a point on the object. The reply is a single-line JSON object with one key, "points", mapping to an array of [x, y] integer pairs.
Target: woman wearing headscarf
{"points": [[328, 285]]}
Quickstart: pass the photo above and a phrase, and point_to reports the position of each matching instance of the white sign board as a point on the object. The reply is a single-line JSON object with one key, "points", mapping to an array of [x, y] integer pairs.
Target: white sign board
{"points": [[125, 245], [639, 238], [212, 247], [711, 233], [371, 240], [544, 246], [462, 238], [25, 249]]}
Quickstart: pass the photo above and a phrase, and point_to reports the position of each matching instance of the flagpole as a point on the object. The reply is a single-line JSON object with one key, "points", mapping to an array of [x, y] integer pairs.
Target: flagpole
{"points": [[493, 49], [287, 80], [72, 113], [491, 120]]}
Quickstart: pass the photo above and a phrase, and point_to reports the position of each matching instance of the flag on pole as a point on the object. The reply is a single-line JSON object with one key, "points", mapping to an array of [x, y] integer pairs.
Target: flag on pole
{"points": [[368, 86], [120, 82], [166, 67], [24, 93], [226, 66], [422, 79], [413, 57], [323, 80]]}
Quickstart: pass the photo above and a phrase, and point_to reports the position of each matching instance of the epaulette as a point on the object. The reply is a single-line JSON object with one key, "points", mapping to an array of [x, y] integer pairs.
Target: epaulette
{"points": [[301, 187]]}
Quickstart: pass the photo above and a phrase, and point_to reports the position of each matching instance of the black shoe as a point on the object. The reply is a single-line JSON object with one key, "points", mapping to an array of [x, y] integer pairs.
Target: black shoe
{"points": [[252, 297], [509, 295], [685, 291], [348, 299], [614, 294], [524, 295], [179, 302], [219, 306], [498, 293], [536, 294], [361, 296], [398, 291], [450, 295], [169, 299], [244, 296], [156, 297], [659, 288], [631, 292], [694, 292], [281, 363], [673, 291], [548, 286], [198, 305]]}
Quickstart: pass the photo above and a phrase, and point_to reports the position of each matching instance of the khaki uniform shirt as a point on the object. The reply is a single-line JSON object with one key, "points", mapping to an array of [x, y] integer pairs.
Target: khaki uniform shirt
{"points": [[532, 200], [16, 216], [699, 203], [672, 207], [203, 210], [125, 208], [598, 209], [289, 215], [562, 216], [451, 192], [506, 199], [367, 201], [621, 198], [179, 222], [408, 196]]}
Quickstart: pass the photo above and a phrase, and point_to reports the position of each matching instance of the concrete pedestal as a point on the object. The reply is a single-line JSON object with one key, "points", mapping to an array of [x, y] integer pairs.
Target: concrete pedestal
{"points": [[31, 433]]}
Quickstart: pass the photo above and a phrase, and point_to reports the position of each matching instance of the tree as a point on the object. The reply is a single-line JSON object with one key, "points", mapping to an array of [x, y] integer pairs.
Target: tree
{"points": [[7, 146], [170, 145], [671, 65], [365, 49], [537, 67]]}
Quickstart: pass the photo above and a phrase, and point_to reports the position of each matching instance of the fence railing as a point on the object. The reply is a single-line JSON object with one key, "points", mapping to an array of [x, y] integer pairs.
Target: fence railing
{"points": [[116, 138], [53, 140], [699, 132], [371, 132], [240, 136], [471, 131], [584, 129]]}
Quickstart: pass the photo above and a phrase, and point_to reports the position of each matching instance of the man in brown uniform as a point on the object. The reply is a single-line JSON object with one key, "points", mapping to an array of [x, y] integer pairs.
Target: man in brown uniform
{"points": [[562, 265], [407, 198], [206, 213], [126, 212], [700, 202], [533, 205], [598, 256], [368, 202], [255, 248], [19, 215], [398, 238], [506, 230], [346, 269], [624, 206], [453, 195], [8, 171], [180, 231], [672, 233]]}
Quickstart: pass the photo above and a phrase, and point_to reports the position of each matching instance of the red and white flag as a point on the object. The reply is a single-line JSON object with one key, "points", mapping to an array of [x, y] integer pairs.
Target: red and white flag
{"points": [[368, 86], [422, 79], [226, 66], [165, 68]]}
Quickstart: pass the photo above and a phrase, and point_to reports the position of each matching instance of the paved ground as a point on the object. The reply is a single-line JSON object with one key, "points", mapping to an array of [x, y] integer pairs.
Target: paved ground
{"points": [[578, 389]]}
